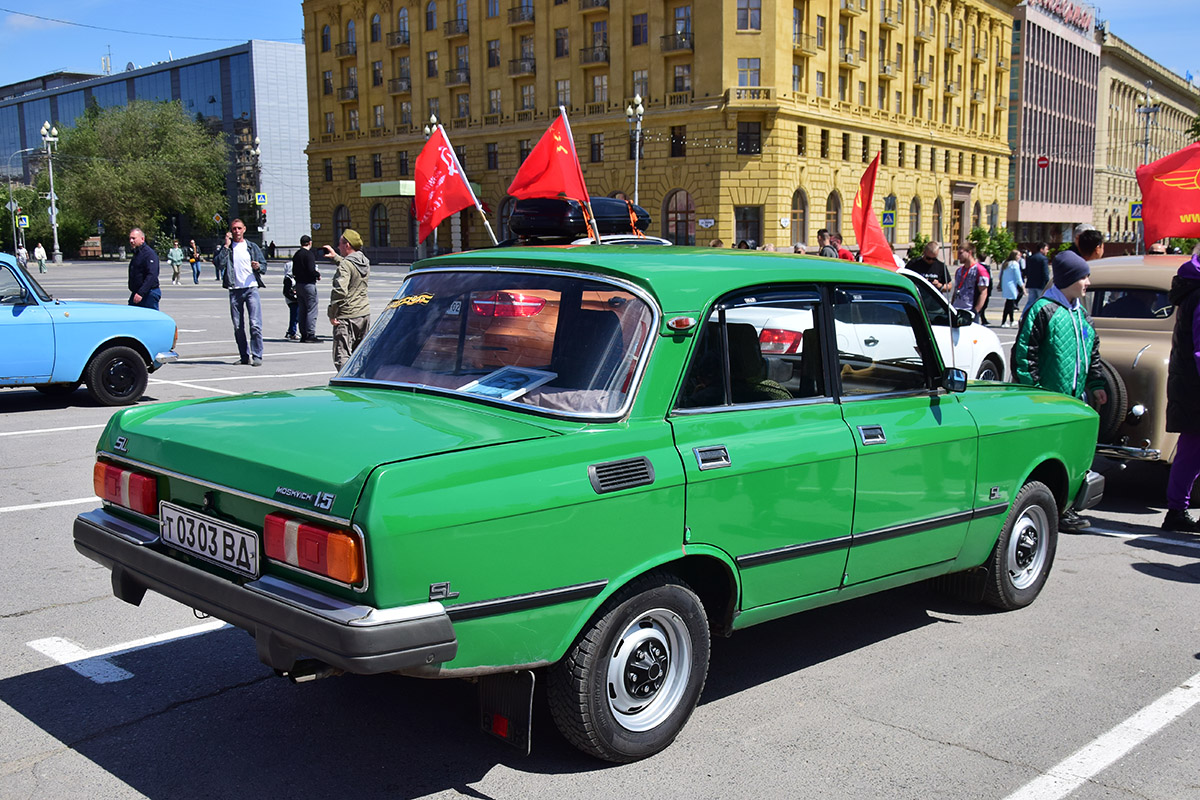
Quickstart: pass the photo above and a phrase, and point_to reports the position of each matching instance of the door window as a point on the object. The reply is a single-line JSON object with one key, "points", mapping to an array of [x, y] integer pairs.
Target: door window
{"points": [[881, 340]]}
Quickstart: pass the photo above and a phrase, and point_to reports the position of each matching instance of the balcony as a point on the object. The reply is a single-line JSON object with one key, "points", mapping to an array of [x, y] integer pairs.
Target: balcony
{"points": [[525, 115], [590, 56], [952, 88], [922, 80], [746, 94], [888, 70], [347, 94], [978, 97], [520, 15], [850, 8], [346, 50], [678, 99], [401, 85], [677, 42], [924, 35], [522, 66], [1002, 63], [889, 19], [953, 44], [586, 6], [491, 119], [1001, 102], [455, 28], [804, 44], [595, 109], [397, 39], [847, 58], [458, 77], [979, 55]]}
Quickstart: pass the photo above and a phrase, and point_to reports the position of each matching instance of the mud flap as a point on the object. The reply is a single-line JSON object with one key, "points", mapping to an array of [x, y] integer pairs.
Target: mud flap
{"points": [[506, 707]]}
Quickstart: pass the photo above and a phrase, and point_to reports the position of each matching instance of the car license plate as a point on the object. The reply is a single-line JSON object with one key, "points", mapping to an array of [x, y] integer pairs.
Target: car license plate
{"points": [[231, 547]]}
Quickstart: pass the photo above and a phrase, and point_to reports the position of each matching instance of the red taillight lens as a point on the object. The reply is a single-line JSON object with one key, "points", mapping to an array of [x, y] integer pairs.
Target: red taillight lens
{"points": [[315, 548], [776, 341], [136, 491], [509, 304]]}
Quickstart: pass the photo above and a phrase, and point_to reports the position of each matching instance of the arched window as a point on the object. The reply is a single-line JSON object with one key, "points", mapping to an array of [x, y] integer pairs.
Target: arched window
{"points": [[413, 225], [889, 204], [914, 219], [402, 21], [341, 221], [800, 219], [380, 234], [431, 16], [938, 222], [351, 36], [679, 218], [506, 209], [325, 39], [376, 28], [976, 215], [833, 212]]}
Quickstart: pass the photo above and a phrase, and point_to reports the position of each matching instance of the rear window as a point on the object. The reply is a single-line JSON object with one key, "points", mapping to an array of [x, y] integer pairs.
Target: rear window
{"points": [[558, 343], [1130, 304]]}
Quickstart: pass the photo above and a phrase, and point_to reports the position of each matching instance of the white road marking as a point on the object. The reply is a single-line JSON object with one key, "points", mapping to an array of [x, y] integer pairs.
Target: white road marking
{"points": [[1142, 537], [212, 341], [51, 430], [50, 504], [192, 385], [94, 664], [1071, 773], [261, 375]]}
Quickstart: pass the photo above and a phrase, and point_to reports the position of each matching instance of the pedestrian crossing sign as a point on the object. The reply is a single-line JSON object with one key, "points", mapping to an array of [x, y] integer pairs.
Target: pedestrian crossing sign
{"points": [[23, 221], [260, 198], [889, 219], [1135, 212]]}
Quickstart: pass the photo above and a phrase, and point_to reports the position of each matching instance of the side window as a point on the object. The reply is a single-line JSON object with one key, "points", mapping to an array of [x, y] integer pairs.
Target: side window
{"points": [[881, 340], [10, 289], [758, 347], [935, 305]]}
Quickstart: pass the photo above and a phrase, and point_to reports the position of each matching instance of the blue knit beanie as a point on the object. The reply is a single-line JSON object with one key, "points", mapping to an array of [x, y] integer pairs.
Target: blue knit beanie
{"points": [[1068, 268]]}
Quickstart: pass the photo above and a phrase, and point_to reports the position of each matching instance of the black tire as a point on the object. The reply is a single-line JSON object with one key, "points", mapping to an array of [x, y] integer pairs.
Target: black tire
{"points": [[57, 389], [631, 680], [990, 370], [117, 376], [1021, 560], [1112, 413]]}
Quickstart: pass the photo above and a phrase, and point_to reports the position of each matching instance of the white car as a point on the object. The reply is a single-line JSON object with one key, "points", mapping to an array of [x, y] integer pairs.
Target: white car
{"points": [[963, 343]]}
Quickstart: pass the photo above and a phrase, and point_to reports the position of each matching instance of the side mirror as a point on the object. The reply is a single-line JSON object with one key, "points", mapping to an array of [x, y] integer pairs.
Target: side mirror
{"points": [[962, 318], [954, 380]]}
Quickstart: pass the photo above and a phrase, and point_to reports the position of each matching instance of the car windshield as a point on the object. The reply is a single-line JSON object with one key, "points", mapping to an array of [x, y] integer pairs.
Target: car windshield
{"points": [[564, 344], [1130, 304], [42, 294]]}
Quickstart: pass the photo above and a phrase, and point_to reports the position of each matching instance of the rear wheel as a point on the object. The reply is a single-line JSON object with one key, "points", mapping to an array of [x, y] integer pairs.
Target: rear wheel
{"points": [[1021, 560], [1112, 413], [117, 376], [990, 370]]}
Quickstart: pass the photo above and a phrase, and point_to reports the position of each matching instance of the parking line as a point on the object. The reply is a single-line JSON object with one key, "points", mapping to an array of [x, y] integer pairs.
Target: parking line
{"points": [[94, 664], [52, 430], [189, 385], [51, 504], [1069, 774], [1146, 537]]}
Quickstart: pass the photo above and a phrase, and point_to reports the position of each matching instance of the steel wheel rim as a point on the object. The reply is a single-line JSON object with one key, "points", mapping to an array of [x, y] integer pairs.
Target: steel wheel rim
{"points": [[119, 377], [988, 373], [1027, 547], [648, 670]]}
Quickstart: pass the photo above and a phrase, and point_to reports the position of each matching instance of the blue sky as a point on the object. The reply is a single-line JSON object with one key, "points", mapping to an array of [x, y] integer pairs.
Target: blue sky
{"points": [[144, 32]]}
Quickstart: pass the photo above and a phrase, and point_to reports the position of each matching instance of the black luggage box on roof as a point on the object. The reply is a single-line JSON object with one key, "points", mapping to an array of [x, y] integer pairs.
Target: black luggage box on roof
{"points": [[556, 218]]}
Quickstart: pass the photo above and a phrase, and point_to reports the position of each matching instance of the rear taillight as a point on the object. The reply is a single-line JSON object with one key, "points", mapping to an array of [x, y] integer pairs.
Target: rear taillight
{"points": [[508, 304], [136, 491], [330, 552], [777, 341]]}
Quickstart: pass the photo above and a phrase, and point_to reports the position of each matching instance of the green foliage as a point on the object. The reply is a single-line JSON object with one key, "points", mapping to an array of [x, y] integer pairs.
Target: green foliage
{"points": [[1193, 132], [979, 237], [1185, 245], [918, 246], [996, 244]]}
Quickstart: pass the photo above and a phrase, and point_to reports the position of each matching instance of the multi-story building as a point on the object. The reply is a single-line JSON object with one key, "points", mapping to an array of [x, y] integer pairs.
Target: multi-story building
{"points": [[1144, 113], [250, 92], [1052, 123], [760, 117]]}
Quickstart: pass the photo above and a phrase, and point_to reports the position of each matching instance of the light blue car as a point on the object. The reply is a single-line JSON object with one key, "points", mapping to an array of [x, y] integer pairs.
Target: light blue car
{"points": [[55, 345]]}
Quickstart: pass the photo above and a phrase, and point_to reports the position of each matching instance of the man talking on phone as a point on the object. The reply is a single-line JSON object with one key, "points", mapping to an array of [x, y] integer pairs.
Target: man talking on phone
{"points": [[245, 259]]}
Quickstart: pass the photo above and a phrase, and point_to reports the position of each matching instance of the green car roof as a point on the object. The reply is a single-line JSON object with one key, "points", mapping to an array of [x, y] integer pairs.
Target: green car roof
{"points": [[680, 277]]}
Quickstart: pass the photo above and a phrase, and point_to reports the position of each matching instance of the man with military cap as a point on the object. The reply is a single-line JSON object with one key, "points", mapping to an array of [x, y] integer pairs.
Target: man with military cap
{"points": [[349, 307]]}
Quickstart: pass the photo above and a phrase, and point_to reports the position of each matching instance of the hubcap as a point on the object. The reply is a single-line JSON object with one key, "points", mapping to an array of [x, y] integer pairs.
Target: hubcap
{"points": [[1027, 547], [119, 377], [648, 670]]}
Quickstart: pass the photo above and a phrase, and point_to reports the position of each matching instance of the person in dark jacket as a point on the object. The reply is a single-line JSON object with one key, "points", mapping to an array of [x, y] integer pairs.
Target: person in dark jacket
{"points": [[930, 267], [1037, 274], [1183, 396], [143, 272], [304, 271]]}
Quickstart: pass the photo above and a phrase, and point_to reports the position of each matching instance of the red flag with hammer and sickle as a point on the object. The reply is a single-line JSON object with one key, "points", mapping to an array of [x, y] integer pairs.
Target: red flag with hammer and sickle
{"points": [[552, 168], [442, 188], [1171, 195]]}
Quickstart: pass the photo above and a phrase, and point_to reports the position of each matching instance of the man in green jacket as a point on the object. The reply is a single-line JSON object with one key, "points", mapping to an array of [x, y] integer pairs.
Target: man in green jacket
{"points": [[1058, 349], [349, 307]]}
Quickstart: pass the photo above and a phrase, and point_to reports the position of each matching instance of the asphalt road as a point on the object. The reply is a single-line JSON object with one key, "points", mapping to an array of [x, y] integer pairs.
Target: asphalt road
{"points": [[903, 695]]}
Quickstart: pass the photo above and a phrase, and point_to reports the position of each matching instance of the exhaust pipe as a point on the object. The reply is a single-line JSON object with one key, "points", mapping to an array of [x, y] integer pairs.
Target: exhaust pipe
{"points": [[309, 669]]}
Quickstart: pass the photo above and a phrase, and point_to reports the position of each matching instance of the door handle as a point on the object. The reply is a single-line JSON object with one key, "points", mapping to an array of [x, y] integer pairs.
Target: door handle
{"points": [[870, 341], [872, 434]]}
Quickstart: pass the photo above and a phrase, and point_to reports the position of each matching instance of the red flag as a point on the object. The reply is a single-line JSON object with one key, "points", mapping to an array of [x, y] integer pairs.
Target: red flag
{"points": [[552, 168], [873, 247], [442, 188], [1171, 195]]}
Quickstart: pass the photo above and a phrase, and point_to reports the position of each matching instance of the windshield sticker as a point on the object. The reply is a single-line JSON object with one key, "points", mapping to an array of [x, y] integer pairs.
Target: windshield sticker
{"points": [[411, 300], [509, 383]]}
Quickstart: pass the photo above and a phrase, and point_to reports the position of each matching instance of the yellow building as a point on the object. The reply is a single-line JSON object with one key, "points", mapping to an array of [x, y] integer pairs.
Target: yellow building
{"points": [[759, 116]]}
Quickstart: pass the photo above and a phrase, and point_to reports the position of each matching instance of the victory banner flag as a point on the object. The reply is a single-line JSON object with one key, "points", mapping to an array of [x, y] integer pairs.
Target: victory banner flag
{"points": [[1171, 195], [873, 247], [442, 187], [552, 168]]}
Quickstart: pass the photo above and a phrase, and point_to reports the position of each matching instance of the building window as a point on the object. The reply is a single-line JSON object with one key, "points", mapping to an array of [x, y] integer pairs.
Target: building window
{"points": [[678, 141], [402, 162], [352, 77], [683, 78], [748, 71], [352, 167], [377, 73], [636, 146], [562, 93], [376, 29], [599, 88], [431, 64], [528, 98], [327, 81], [328, 165], [527, 46], [434, 106], [376, 165], [406, 113], [341, 221], [462, 57], [493, 101], [562, 42], [524, 147], [747, 224], [938, 222], [881, 98], [492, 150], [799, 219], [914, 219], [917, 156], [833, 212], [749, 15], [329, 122], [493, 52], [802, 140], [866, 150], [377, 117], [431, 16], [597, 147], [641, 82], [883, 152], [795, 77], [683, 19], [862, 47], [900, 158], [462, 105], [679, 218], [325, 39], [749, 138], [820, 31], [351, 36], [824, 143], [845, 147], [493, 8], [842, 88], [379, 226], [641, 29], [402, 23], [820, 84]]}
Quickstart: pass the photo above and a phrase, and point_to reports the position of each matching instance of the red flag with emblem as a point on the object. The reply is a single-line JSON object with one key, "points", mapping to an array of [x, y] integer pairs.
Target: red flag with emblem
{"points": [[873, 247], [442, 187], [1171, 195], [552, 168]]}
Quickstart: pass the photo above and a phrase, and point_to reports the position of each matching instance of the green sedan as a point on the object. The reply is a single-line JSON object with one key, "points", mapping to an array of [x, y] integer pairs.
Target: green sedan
{"points": [[575, 465]]}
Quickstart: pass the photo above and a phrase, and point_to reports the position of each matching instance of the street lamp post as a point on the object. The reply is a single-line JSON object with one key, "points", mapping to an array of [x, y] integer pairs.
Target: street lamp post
{"points": [[49, 138], [422, 249], [12, 207], [256, 187], [633, 115]]}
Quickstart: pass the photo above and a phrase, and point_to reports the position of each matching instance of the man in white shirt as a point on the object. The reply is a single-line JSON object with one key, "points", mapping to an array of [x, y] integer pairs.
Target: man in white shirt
{"points": [[244, 259]]}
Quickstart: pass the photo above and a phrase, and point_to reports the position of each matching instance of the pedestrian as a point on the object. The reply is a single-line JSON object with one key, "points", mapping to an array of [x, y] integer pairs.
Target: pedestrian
{"points": [[271, 249], [22, 256], [143, 272], [987, 294], [826, 246], [349, 307], [1037, 274], [39, 253], [930, 267], [289, 296], [193, 257], [1183, 395], [971, 282], [1058, 349], [715, 243], [304, 272], [1080, 230], [1012, 286], [843, 252], [243, 260], [175, 258]]}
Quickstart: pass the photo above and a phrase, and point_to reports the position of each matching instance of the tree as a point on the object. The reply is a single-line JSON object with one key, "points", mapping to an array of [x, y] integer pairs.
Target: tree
{"points": [[997, 243], [135, 165], [1193, 132]]}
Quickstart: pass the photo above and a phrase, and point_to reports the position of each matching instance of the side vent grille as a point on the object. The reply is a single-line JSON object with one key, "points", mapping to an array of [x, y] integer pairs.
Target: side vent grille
{"points": [[617, 475]]}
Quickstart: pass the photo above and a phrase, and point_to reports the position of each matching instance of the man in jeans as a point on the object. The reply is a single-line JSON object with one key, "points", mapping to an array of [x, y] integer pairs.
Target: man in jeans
{"points": [[240, 263]]}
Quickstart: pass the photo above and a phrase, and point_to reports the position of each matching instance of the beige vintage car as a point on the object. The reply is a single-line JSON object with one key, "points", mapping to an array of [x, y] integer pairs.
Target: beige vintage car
{"points": [[1129, 307]]}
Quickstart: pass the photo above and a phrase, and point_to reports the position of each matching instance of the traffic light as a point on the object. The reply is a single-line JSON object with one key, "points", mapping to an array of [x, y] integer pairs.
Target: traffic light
{"points": [[262, 217]]}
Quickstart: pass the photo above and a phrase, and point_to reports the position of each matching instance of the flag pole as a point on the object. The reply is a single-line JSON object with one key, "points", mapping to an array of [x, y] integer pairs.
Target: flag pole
{"points": [[467, 183], [587, 200]]}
